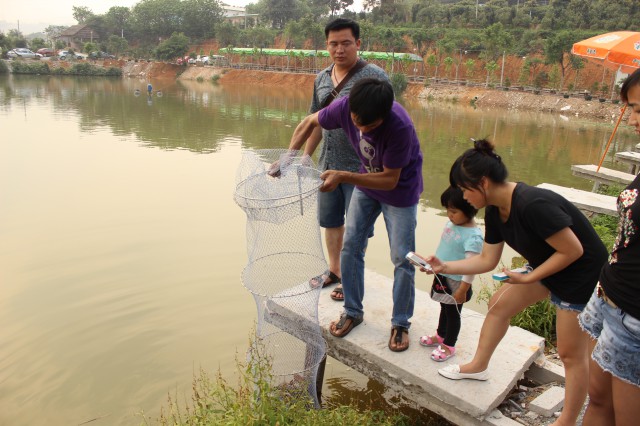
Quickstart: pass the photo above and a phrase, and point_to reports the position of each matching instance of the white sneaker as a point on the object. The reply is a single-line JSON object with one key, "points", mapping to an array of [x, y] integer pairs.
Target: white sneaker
{"points": [[453, 372]]}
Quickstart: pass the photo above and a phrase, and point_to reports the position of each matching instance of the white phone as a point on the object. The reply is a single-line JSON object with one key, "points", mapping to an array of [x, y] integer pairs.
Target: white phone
{"points": [[417, 261]]}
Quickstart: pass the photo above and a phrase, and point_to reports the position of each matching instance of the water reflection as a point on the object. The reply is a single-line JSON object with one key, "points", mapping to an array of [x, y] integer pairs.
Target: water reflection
{"points": [[121, 247]]}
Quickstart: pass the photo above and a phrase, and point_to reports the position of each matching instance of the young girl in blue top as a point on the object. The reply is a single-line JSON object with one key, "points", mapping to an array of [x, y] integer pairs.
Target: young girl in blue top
{"points": [[461, 238]]}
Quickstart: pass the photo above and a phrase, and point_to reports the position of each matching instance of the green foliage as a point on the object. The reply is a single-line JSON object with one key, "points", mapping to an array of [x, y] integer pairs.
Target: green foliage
{"points": [[256, 400], [399, 83], [200, 79], [89, 47], [4, 69], [31, 67], [175, 46], [215, 78]]}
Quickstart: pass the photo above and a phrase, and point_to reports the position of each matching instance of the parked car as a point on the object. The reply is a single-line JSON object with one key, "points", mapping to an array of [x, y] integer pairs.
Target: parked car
{"points": [[21, 52], [101, 55], [65, 54], [45, 51]]}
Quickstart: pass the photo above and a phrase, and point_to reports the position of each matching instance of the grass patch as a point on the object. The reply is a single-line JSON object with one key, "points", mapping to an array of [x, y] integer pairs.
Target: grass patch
{"points": [[254, 400], [200, 79], [215, 78]]}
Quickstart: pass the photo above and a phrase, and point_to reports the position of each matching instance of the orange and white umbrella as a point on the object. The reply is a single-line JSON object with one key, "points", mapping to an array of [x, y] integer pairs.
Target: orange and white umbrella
{"points": [[617, 50]]}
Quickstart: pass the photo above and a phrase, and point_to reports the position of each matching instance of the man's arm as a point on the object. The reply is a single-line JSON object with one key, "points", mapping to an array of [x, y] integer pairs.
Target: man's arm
{"points": [[313, 141], [307, 128], [385, 180]]}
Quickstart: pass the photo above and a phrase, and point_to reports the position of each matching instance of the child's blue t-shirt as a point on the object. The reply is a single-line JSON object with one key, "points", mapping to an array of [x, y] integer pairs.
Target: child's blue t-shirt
{"points": [[456, 241]]}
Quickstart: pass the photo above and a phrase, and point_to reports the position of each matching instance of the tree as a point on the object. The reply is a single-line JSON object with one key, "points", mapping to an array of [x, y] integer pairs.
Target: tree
{"points": [[226, 34], [118, 20], [557, 50], [279, 12], [448, 63], [470, 65], [117, 45], [200, 16], [53, 31], [337, 5], [157, 18], [491, 68], [496, 40], [37, 43], [173, 47], [81, 14], [89, 47]]}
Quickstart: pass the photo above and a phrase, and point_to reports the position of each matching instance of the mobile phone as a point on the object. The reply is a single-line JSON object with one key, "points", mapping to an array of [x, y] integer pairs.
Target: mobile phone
{"points": [[417, 261], [502, 276]]}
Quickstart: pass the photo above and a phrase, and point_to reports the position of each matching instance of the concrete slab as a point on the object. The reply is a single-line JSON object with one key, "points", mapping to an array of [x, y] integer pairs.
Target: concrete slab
{"points": [[604, 175], [412, 373], [549, 402], [585, 200]]}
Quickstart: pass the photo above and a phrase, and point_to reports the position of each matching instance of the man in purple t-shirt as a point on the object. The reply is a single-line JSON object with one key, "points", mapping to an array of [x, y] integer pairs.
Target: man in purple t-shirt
{"points": [[389, 182]]}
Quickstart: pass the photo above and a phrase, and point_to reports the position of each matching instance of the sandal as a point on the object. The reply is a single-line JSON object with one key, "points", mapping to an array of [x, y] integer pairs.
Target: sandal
{"points": [[439, 355], [428, 340], [342, 324], [327, 278], [338, 294], [397, 338]]}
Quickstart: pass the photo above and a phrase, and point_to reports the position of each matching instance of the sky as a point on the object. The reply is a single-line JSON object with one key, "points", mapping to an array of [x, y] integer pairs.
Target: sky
{"points": [[35, 15]]}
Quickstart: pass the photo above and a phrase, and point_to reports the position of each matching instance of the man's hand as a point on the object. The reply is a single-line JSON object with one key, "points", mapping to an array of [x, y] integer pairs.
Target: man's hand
{"points": [[331, 178], [274, 169]]}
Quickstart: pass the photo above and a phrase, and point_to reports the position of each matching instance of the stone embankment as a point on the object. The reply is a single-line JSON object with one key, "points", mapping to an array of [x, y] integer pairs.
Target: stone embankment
{"points": [[486, 98]]}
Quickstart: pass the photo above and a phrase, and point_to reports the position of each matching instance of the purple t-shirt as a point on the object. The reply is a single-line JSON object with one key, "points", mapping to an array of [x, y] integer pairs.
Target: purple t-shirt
{"points": [[394, 144]]}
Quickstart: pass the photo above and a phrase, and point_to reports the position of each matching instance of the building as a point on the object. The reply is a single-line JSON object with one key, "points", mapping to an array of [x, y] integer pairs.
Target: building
{"points": [[238, 16], [77, 35]]}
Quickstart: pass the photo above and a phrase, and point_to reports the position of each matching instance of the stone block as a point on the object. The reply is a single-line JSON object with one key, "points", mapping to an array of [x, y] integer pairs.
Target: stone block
{"points": [[549, 402]]}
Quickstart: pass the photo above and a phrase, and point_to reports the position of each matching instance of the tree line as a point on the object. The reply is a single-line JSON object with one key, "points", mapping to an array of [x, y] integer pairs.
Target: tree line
{"points": [[441, 31]]}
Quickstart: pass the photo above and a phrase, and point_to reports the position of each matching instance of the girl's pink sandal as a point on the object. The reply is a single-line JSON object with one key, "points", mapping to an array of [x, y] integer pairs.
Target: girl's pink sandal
{"points": [[439, 355], [428, 341]]}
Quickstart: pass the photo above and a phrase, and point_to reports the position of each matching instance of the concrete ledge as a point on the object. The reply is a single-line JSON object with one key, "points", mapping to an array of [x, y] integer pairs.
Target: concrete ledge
{"points": [[412, 373], [585, 200], [604, 175], [548, 372]]}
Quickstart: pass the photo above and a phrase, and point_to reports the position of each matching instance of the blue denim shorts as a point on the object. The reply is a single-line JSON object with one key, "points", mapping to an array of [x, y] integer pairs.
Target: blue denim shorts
{"points": [[333, 206], [566, 306], [618, 348]]}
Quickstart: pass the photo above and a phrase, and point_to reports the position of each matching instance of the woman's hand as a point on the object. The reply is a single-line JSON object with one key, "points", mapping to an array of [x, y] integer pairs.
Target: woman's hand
{"points": [[437, 266]]}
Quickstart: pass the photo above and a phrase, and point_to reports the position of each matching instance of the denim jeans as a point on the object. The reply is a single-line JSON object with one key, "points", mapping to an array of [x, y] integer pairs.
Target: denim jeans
{"points": [[401, 226]]}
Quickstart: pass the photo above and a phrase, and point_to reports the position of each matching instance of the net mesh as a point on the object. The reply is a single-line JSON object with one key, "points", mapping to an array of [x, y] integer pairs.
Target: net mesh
{"points": [[277, 190]]}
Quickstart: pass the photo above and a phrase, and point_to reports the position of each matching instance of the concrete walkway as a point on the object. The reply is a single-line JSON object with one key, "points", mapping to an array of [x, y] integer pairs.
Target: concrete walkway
{"points": [[412, 373]]}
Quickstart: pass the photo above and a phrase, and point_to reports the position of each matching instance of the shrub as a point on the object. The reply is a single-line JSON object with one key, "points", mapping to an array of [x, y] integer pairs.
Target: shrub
{"points": [[399, 83], [215, 78], [4, 69], [23, 67], [200, 79]]}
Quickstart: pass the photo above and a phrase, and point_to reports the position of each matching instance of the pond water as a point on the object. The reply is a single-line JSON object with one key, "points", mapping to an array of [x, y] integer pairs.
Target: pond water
{"points": [[121, 247]]}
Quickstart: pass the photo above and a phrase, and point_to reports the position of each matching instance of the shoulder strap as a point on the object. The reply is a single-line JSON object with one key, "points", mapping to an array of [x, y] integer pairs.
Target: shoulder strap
{"points": [[336, 91]]}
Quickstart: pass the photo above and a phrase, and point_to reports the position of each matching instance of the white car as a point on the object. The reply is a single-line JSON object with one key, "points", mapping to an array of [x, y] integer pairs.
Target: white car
{"points": [[65, 54], [21, 52]]}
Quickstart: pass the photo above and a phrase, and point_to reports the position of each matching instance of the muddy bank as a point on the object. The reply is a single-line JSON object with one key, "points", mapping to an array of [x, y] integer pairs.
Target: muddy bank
{"points": [[482, 97]]}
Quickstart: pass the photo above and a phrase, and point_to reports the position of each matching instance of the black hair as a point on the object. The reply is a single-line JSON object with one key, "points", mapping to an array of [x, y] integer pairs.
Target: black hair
{"points": [[452, 197], [632, 80], [370, 99], [478, 162], [341, 24]]}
